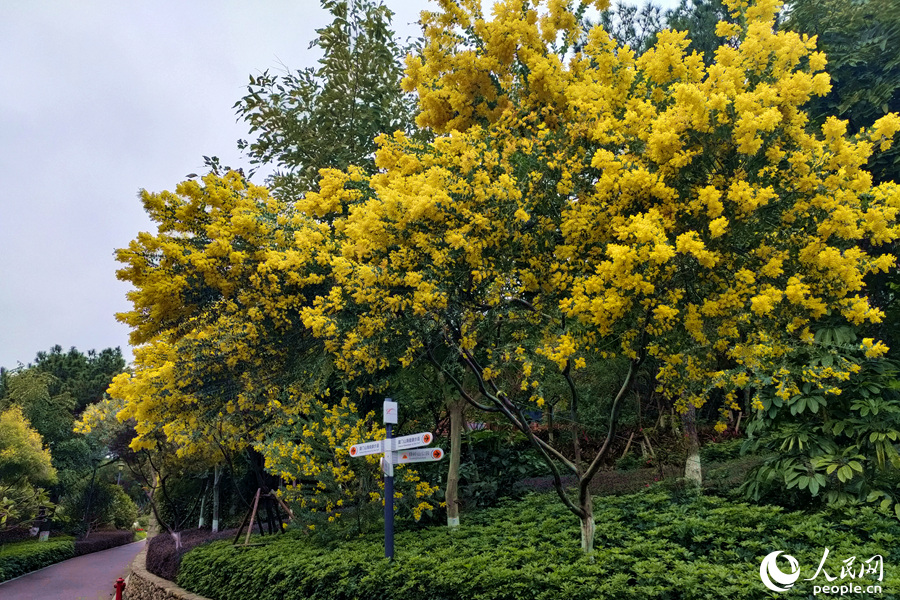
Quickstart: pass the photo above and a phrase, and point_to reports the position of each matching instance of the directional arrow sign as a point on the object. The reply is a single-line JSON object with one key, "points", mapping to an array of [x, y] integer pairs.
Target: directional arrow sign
{"points": [[418, 455], [367, 448], [411, 441]]}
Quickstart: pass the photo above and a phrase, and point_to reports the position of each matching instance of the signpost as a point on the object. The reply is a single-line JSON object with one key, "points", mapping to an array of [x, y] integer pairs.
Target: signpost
{"points": [[396, 451], [419, 455]]}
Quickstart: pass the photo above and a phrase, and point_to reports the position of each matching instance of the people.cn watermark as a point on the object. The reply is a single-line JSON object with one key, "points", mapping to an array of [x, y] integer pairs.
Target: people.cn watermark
{"points": [[855, 577]]}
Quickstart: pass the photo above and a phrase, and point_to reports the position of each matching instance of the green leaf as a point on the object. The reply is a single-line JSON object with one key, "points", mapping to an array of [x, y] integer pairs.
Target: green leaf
{"points": [[814, 487], [845, 473]]}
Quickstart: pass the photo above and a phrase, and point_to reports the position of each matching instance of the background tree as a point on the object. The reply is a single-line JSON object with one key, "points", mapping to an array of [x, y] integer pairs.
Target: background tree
{"points": [[84, 376], [25, 467], [52, 392], [328, 116], [699, 18], [632, 25], [859, 39]]}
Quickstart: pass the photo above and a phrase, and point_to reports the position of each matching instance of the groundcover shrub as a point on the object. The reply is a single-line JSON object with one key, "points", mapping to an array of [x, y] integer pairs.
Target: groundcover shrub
{"points": [[162, 557], [103, 540], [650, 545], [23, 557]]}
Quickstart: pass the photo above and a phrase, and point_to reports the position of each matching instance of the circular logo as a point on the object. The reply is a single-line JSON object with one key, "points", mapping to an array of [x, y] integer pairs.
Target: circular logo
{"points": [[438, 453], [772, 577], [426, 438], [352, 450]]}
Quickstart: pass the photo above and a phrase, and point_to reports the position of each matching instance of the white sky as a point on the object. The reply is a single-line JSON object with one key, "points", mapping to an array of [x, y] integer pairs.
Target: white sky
{"points": [[103, 98]]}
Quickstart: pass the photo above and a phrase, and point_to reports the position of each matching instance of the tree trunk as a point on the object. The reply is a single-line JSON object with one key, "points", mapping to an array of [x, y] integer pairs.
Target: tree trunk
{"points": [[550, 435], [201, 521], [587, 526], [452, 495], [217, 474], [692, 467]]}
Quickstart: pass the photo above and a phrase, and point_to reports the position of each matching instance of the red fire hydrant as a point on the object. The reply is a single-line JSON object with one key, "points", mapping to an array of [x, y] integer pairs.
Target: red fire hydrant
{"points": [[120, 587]]}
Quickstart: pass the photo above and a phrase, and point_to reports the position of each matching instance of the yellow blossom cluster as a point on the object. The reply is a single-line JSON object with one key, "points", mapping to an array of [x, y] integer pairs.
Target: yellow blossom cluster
{"points": [[600, 202], [312, 457], [225, 275], [227, 350], [571, 205]]}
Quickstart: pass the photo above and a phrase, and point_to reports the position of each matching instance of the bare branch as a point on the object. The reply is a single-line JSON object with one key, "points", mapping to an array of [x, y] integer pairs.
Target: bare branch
{"points": [[610, 434]]}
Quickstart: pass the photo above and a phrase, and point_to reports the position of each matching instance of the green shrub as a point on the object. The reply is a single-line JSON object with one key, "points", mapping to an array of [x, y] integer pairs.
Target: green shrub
{"points": [[23, 557], [726, 478], [123, 511], [647, 546], [492, 462], [108, 504], [719, 452]]}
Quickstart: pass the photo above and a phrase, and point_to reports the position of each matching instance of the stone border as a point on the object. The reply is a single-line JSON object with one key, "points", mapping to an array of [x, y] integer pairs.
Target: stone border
{"points": [[144, 585]]}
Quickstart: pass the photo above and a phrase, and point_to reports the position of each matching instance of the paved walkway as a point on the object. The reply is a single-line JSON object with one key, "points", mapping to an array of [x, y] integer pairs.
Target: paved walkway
{"points": [[88, 577]]}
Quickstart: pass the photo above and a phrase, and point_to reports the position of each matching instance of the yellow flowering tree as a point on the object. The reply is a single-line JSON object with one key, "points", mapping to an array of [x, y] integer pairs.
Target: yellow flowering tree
{"points": [[215, 292], [25, 464], [223, 361], [580, 206]]}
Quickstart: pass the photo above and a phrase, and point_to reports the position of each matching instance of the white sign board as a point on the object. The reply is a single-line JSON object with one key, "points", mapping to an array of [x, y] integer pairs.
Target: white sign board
{"points": [[411, 441], [376, 447], [390, 412], [418, 455]]}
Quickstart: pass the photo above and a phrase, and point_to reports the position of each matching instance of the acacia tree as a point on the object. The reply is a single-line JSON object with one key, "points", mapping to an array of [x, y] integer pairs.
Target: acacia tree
{"points": [[222, 355], [577, 208]]}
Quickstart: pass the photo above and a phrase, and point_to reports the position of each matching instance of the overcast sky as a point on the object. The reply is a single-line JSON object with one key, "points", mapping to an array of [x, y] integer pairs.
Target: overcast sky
{"points": [[100, 100]]}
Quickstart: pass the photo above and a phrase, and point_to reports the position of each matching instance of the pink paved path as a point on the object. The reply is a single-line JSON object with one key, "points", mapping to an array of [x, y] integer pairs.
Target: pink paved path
{"points": [[88, 577]]}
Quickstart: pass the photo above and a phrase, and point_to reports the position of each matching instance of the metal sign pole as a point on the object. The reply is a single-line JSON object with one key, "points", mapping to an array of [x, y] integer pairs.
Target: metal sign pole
{"points": [[388, 447], [388, 500], [390, 417]]}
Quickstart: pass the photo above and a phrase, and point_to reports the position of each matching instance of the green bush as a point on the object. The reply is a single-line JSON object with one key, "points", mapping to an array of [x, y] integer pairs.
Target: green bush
{"points": [[726, 478], [719, 452], [108, 504], [23, 557], [492, 462], [648, 545], [123, 511]]}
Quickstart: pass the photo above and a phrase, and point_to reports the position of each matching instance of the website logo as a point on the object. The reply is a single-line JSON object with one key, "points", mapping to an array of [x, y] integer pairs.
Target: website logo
{"points": [[855, 577], [773, 577]]}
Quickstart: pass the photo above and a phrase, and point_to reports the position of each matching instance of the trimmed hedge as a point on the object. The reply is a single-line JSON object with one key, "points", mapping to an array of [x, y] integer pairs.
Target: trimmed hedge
{"points": [[103, 540], [649, 545], [23, 557], [19, 558], [162, 558]]}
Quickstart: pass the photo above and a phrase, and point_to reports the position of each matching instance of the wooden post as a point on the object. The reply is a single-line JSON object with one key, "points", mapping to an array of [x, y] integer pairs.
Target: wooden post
{"points": [[252, 516]]}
